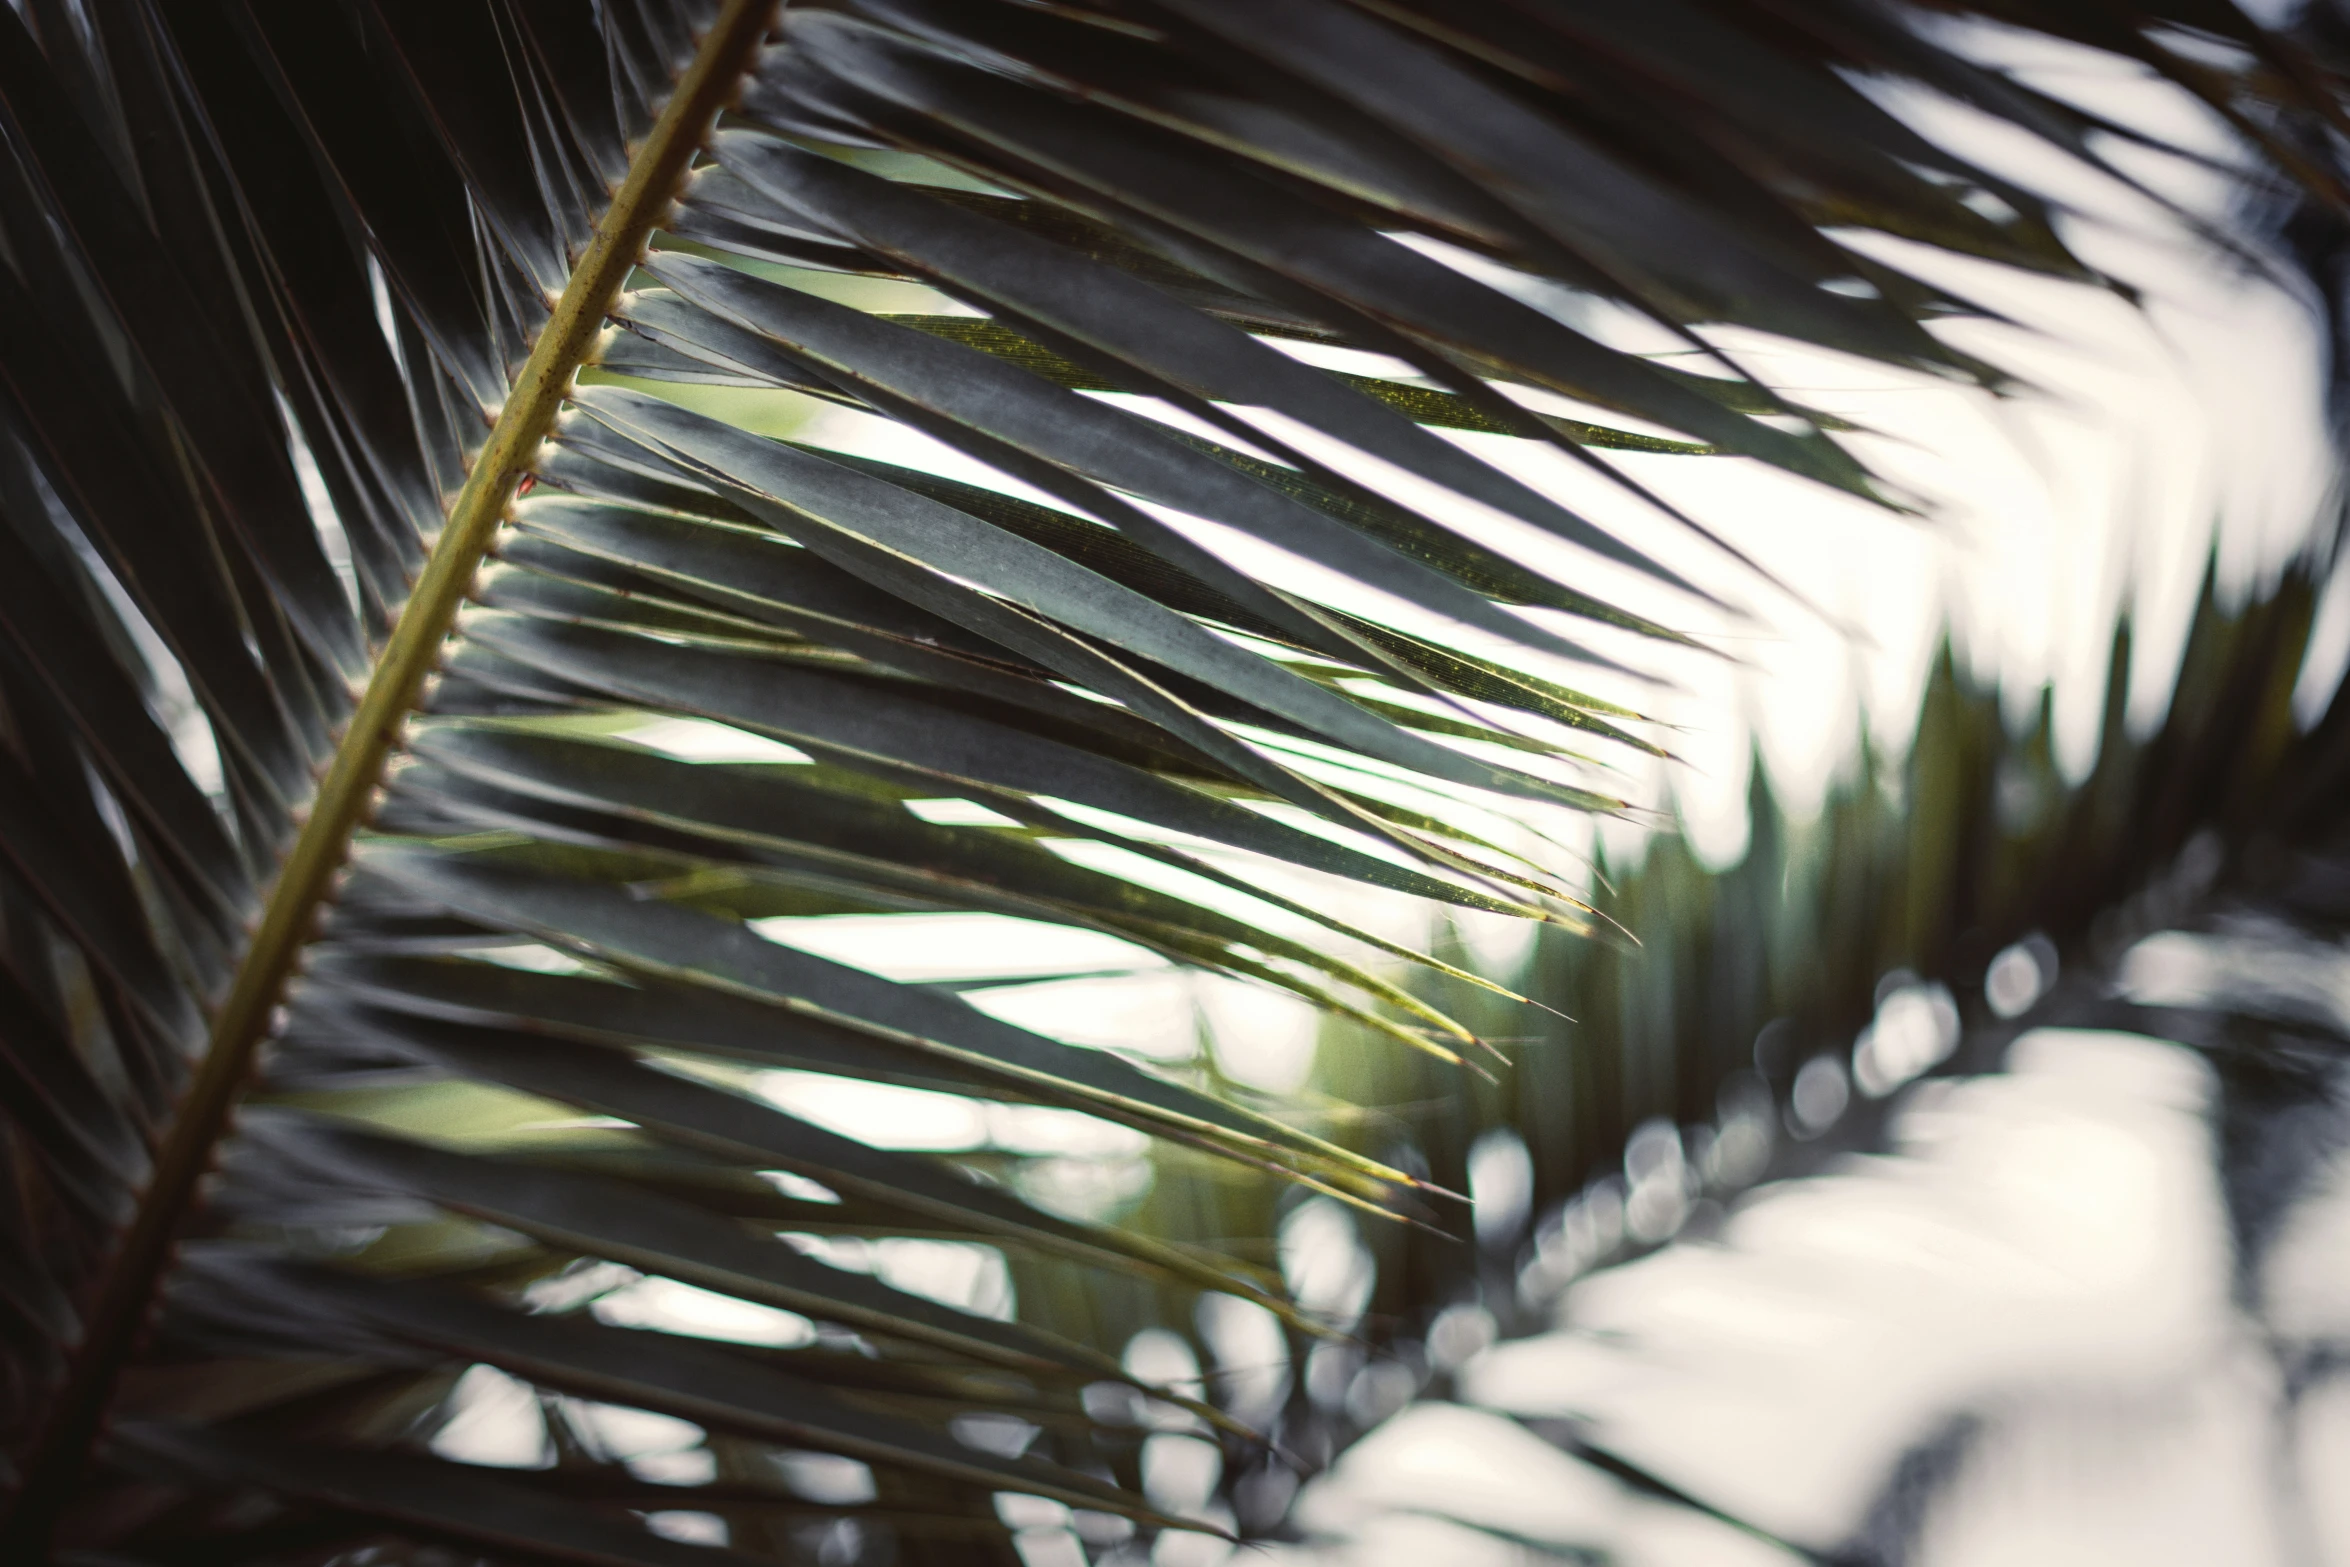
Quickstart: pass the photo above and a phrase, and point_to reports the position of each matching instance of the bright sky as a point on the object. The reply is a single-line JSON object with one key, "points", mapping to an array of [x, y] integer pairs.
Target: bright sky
{"points": [[2150, 430]]}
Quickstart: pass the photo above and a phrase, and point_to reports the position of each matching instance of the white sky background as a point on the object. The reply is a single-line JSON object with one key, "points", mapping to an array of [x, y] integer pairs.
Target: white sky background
{"points": [[2148, 430], [2044, 1256]]}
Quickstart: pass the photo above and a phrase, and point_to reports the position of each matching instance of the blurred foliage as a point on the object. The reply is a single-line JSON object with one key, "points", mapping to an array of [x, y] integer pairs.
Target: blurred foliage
{"points": [[1919, 870]]}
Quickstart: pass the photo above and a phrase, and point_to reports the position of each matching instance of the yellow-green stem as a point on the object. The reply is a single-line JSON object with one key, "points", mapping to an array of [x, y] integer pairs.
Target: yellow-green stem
{"points": [[118, 1311]]}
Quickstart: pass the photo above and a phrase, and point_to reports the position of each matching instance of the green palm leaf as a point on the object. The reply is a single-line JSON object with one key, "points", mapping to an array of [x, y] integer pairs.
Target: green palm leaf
{"points": [[406, 409]]}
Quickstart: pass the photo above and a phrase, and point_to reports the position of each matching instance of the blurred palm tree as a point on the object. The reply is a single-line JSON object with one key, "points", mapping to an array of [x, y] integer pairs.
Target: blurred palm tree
{"points": [[451, 678]]}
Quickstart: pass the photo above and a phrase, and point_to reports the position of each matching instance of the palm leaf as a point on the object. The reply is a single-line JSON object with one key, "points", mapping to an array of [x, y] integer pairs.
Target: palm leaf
{"points": [[373, 1005]]}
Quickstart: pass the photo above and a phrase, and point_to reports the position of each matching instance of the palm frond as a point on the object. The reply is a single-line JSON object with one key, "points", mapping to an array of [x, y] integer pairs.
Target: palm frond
{"points": [[380, 1003]]}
